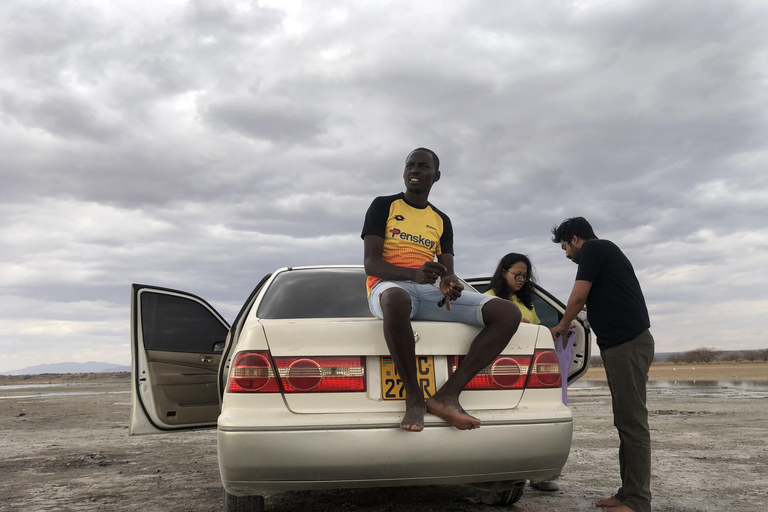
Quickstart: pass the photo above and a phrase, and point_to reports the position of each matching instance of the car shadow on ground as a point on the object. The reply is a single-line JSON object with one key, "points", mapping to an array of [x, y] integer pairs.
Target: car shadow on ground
{"points": [[401, 499]]}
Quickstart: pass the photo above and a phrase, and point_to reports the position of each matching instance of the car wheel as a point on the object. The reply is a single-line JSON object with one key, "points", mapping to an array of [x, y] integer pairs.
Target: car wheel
{"points": [[502, 497], [234, 503]]}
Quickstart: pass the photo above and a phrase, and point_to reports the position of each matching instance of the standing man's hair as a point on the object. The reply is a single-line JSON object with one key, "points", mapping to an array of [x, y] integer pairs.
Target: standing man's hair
{"points": [[575, 226], [434, 156]]}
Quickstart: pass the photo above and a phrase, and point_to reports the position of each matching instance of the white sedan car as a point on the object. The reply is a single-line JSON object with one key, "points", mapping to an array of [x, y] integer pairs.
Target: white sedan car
{"points": [[304, 395]]}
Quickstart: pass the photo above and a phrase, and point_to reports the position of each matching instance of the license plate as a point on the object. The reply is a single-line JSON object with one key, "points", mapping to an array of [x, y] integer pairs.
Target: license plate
{"points": [[391, 385]]}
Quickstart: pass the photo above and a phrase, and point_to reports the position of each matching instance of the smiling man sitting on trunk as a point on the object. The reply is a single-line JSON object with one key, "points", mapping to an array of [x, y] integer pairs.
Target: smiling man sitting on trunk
{"points": [[403, 234]]}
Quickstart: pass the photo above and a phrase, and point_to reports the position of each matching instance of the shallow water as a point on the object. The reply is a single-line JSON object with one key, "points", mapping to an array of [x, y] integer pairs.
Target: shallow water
{"points": [[48, 390], [694, 388], [73, 393], [29, 386]]}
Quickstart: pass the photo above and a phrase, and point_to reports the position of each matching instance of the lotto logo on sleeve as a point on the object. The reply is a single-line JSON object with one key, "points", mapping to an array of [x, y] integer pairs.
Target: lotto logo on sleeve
{"points": [[396, 233]]}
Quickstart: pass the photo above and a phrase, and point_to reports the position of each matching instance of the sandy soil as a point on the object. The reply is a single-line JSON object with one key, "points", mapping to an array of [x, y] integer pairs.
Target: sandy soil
{"points": [[711, 371], [72, 452]]}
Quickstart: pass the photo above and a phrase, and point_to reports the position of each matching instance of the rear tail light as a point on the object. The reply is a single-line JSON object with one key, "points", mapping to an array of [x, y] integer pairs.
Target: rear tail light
{"points": [[545, 371], [321, 374], [255, 372], [252, 372], [505, 372], [511, 372]]}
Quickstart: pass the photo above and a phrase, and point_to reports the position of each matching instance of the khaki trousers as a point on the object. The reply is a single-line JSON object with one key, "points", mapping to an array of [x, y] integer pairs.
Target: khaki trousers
{"points": [[626, 367]]}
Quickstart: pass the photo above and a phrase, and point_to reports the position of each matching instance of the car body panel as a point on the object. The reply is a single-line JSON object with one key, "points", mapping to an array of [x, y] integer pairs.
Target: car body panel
{"points": [[237, 414], [256, 462]]}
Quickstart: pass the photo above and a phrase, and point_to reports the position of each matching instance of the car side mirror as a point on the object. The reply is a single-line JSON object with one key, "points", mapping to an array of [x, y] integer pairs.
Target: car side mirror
{"points": [[218, 346]]}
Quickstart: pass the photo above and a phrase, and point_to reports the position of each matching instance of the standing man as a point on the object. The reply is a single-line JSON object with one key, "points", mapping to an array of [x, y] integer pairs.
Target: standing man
{"points": [[606, 283], [402, 235]]}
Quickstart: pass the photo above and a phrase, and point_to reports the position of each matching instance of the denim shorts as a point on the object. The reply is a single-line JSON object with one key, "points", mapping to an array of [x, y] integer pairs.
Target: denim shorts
{"points": [[467, 309]]}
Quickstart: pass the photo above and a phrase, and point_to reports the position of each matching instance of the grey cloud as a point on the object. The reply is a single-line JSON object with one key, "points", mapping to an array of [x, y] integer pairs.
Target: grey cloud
{"points": [[279, 122], [228, 19], [61, 115], [39, 29]]}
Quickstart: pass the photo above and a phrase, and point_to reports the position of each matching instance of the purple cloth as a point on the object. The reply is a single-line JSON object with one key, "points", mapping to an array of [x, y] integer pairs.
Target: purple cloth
{"points": [[564, 358]]}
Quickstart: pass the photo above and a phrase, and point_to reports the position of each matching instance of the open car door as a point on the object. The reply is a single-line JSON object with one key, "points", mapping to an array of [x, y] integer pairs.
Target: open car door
{"points": [[177, 341], [550, 312]]}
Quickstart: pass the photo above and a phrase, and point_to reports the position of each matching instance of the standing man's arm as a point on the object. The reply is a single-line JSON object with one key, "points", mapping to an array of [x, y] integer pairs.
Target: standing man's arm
{"points": [[575, 304], [429, 273]]}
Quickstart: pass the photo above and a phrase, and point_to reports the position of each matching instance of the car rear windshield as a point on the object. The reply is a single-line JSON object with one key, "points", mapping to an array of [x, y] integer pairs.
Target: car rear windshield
{"points": [[316, 293]]}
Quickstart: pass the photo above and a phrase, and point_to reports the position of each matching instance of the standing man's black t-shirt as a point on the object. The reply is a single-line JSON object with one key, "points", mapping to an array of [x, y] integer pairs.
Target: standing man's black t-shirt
{"points": [[616, 307]]}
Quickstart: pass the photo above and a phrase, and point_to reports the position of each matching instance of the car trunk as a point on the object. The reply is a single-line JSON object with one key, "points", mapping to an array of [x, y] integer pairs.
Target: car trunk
{"points": [[307, 338]]}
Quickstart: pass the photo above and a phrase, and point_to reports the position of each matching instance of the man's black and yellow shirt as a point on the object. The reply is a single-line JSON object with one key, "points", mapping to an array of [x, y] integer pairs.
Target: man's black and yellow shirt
{"points": [[412, 235]]}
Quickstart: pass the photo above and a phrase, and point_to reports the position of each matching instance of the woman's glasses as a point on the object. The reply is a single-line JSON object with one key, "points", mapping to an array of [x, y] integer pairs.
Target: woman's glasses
{"points": [[519, 277]]}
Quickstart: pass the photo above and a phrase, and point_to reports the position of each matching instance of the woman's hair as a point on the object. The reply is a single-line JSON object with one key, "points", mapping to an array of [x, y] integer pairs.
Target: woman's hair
{"points": [[499, 283]]}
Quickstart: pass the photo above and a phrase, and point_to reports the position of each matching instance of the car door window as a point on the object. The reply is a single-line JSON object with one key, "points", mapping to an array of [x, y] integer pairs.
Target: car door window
{"points": [[548, 315], [179, 324]]}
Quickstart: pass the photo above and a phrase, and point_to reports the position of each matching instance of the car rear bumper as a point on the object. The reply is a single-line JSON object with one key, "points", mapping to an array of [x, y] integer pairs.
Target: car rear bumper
{"points": [[253, 461]]}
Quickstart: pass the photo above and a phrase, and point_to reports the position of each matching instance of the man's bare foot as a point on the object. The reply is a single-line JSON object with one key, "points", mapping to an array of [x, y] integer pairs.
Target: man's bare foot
{"points": [[413, 419], [450, 410], [613, 501], [620, 508]]}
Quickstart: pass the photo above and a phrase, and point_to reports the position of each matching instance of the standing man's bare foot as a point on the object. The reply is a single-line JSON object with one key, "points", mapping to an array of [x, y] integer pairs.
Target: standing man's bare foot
{"points": [[413, 419], [451, 411], [613, 501]]}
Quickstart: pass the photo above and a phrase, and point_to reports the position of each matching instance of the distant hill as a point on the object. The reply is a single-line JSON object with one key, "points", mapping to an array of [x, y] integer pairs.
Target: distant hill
{"points": [[89, 367]]}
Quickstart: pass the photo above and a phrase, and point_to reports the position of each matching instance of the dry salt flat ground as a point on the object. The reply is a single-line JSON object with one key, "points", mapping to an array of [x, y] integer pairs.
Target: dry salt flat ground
{"points": [[65, 446]]}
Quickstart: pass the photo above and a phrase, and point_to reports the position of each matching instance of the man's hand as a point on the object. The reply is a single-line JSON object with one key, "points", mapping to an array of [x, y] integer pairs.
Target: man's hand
{"points": [[451, 287], [560, 330], [429, 272]]}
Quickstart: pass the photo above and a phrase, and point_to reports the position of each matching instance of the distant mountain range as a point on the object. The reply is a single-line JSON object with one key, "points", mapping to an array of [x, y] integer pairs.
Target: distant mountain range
{"points": [[89, 367]]}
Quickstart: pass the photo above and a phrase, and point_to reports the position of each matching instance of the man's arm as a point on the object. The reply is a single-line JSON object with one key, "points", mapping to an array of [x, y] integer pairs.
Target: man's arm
{"points": [[449, 284], [429, 273], [575, 304]]}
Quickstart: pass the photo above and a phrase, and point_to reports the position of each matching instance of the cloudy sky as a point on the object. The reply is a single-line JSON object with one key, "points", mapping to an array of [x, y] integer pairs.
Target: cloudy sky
{"points": [[199, 145]]}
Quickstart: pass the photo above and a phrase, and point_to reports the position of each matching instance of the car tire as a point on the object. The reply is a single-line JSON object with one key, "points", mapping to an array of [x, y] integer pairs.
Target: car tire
{"points": [[234, 503], [502, 497]]}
